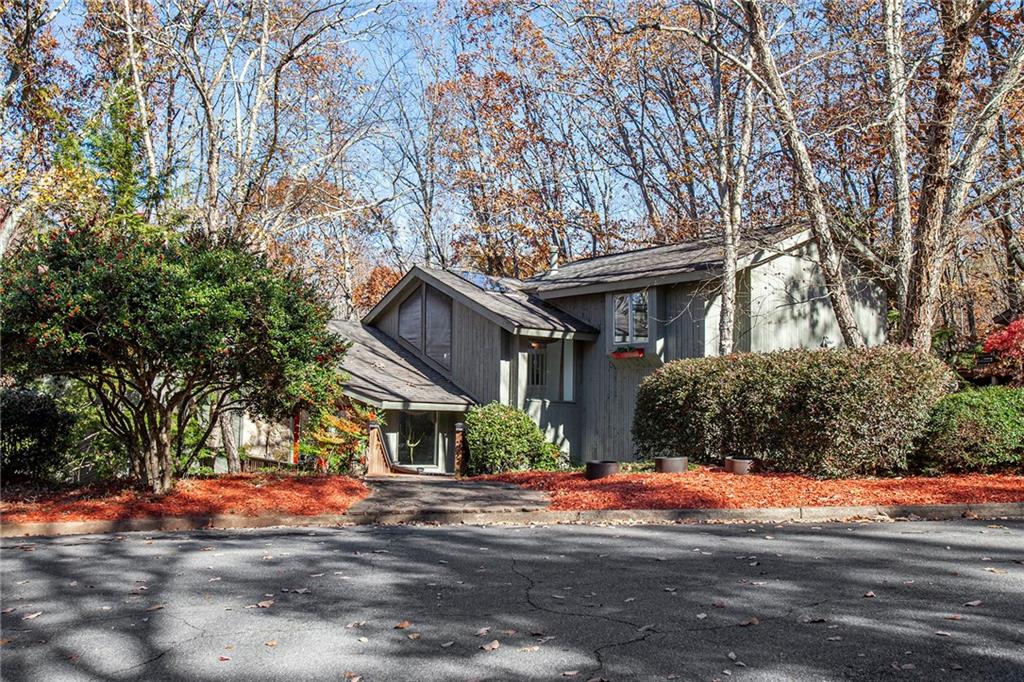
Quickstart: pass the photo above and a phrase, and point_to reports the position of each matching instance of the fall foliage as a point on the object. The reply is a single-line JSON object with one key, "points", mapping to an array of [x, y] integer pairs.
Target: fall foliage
{"points": [[355, 139]]}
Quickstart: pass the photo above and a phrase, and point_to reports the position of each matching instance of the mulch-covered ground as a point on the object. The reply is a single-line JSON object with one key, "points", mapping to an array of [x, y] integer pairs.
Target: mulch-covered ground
{"points": [[243, 494], [705, 488]]}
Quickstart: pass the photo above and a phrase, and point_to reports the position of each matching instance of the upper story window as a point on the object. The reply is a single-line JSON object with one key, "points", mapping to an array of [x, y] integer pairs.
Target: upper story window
{"points": [[425, 322], [629, 317], [410, 319]]}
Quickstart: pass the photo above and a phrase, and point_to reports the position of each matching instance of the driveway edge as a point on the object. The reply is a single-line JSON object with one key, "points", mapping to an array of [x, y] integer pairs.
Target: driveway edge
{"points": [[930, 512]]}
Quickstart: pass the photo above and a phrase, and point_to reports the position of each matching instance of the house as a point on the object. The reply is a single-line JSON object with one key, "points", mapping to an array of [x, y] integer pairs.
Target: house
{"points": [[571, 346]]}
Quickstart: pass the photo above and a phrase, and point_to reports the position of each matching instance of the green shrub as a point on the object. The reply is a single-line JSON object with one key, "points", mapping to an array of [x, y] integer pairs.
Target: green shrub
{"points": [[976, 430], [501, 438], [36, 434], [824, 412]]}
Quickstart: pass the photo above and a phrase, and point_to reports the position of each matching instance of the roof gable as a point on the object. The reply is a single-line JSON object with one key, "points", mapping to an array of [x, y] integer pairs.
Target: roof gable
{"points": [[501, 300]]}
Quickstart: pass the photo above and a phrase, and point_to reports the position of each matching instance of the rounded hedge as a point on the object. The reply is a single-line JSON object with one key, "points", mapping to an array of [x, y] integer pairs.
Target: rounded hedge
{"points": [[501, 438], [821, 412], [35, 435], [978, 429]]}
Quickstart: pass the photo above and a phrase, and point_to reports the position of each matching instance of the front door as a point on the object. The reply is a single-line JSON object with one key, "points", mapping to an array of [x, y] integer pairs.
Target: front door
{"points": [[417, 439]]}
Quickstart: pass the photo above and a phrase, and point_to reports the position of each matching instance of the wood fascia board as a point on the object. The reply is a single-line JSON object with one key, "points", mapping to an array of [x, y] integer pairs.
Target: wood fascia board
{"points": [[555, 334], [438, 407], [629, 284]]}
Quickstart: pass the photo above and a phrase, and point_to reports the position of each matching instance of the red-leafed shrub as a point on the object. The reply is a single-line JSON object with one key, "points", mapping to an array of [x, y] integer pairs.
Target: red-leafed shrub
{"points": [[1008, 347]]}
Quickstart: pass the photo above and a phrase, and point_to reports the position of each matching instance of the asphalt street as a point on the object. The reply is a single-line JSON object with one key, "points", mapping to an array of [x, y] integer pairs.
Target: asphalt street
{"points": [[873, 601]]}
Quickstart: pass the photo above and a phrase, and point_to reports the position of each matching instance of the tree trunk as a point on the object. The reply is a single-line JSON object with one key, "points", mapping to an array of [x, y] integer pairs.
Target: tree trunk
{"points": [[227, 439], [155, 457], [930, 249], [807, 182], [897, 95]]}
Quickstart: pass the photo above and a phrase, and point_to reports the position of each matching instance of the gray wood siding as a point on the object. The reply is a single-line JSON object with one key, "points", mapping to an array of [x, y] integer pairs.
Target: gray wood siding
{"points": [[606, 396], [684, 321], [476, 354], [476, 350], [388, 322], [790, 307]]}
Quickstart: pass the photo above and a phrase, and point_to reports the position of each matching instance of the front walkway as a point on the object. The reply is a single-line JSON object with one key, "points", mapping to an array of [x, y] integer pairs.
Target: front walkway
{"points": [[442, 495]]}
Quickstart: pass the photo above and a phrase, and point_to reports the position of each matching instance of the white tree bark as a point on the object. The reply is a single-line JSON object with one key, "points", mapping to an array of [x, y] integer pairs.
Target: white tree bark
{"points": [[809, 188], [896, 90]]}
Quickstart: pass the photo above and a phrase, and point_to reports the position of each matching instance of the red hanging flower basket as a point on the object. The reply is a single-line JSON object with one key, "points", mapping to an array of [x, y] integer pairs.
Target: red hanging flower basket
{"points": [[626, 354]]}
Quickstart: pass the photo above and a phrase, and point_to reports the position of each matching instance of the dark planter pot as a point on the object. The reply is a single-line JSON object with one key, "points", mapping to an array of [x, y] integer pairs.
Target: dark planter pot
{"points": [[601, 469], [671, 465], [740, 467]]}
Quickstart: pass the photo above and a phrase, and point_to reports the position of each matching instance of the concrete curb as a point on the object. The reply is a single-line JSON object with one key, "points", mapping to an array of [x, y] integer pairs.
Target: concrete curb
{"points": [[525, 516]]}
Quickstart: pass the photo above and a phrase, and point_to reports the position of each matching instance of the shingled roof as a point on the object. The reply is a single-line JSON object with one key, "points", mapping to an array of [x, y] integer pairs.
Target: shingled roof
{"points": [[502, 300], [383, 374], [695, 259]]}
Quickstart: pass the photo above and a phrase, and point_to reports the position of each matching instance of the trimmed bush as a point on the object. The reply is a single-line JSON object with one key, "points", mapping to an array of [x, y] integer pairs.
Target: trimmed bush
{"points": [[35, 435], [977, 430], [501, 438], [827, 413]]}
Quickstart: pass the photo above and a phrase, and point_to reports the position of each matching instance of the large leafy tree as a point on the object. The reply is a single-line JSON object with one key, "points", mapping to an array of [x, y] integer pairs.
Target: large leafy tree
{"points": [[166, 329], [170, 327]]}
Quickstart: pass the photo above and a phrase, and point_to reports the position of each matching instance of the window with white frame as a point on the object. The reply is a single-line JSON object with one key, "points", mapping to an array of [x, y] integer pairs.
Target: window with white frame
{"points": [[629, 317]]}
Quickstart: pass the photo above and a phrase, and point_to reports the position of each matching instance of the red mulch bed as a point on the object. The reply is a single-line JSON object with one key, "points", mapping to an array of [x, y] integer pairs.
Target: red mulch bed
{"points": [[243, 494], [706, 488]]}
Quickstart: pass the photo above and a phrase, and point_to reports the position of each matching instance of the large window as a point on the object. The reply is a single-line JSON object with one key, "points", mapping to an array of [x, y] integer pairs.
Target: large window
{"points": [[630, 317], [416, 439], [410, 319], [438, 322], [425, 322]]}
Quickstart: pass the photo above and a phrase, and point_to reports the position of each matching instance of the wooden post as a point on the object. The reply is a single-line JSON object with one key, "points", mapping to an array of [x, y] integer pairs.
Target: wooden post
{"points": [[295, 437], [376, 463], [461, 451]]}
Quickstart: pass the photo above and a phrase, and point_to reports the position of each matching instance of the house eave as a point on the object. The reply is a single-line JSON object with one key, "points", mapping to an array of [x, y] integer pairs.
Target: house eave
{"points": [[382, 404], [698, 273]]}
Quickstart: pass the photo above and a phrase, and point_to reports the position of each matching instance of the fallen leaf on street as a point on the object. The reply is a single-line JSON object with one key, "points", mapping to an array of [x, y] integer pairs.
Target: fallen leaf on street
{"points": [[33, 616], [869, 594], [403, 625], [976, 602], [750, 621], [270, 642], [482, 631], [491, 646], [445, 645]]}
